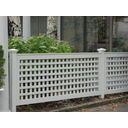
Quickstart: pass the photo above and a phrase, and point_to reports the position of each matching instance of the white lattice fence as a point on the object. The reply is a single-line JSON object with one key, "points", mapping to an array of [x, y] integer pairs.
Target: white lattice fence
{"points": [[37, 78], [117, 72], [52, 77]]}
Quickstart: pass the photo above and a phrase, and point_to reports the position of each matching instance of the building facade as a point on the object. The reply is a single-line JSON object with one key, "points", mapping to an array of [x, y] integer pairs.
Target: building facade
{"points": [[84, 33]]}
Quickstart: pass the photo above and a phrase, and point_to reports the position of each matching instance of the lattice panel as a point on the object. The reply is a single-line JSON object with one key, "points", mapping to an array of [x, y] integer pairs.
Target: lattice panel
{"points": [[51, 78], [117, 74]]}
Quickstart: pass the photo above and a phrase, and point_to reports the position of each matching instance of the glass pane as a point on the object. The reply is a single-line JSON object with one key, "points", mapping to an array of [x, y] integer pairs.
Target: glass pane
{"points": [[96, 33], [120, 33]]}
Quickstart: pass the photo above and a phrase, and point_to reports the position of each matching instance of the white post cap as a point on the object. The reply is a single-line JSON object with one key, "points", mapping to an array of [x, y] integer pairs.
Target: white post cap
{"points": [[101, 50], [13, 50]]}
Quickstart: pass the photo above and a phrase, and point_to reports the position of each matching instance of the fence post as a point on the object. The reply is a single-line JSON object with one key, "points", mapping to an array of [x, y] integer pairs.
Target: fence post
{"points": [[13, 78], [102, 74]]}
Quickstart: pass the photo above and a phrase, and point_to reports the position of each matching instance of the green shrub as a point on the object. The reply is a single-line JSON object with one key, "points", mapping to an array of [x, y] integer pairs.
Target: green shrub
{"points": [[2, 61], [39, 44]]}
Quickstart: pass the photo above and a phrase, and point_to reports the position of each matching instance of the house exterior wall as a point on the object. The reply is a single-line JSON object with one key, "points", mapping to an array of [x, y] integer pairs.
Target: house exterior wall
{"points": [[84, 33]]}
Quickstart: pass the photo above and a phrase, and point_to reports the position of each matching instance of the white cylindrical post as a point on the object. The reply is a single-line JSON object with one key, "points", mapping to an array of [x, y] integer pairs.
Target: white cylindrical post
{"points": [[26, 27], [102, 74], [4, 95], [13, 78]]}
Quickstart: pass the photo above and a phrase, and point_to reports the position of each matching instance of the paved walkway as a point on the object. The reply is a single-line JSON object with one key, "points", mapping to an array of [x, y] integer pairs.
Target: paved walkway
{"points": [[113, 107], [123, 108]]}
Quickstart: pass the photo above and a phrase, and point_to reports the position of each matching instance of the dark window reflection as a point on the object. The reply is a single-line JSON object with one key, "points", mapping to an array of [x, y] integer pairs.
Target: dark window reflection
{"points": [[120, 33]]}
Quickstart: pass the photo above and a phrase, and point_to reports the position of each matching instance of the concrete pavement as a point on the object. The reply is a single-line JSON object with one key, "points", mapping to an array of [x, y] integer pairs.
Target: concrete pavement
{"points": [[113, 107]]}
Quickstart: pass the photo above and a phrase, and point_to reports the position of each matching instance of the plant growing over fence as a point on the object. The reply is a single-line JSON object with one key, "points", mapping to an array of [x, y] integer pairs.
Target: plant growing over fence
{"points": [[39, 44], [2, 61]]}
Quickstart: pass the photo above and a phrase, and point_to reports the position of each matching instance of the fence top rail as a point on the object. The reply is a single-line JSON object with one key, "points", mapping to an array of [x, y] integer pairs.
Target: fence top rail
{"points": [[116, 52], [57, 55], [73, 53], [78, 53], [69, 55]]}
